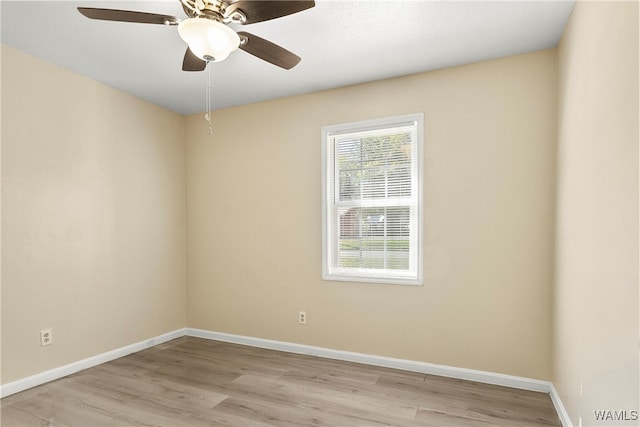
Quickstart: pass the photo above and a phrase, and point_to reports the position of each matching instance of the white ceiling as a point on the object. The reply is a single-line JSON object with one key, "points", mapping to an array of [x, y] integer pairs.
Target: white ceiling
{"points": [[341, 42]]}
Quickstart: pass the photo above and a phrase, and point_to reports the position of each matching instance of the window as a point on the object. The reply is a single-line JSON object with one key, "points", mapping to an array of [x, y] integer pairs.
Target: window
{"points": [[372, 200]]}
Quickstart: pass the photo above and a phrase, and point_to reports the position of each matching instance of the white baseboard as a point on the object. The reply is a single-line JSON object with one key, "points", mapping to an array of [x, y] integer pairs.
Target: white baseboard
{"points": [[560, 409], [387, 362], [56, 373]]}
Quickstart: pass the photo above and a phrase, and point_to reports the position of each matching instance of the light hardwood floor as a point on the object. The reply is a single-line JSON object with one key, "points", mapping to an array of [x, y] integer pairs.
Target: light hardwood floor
{"points": [[197, 382]]}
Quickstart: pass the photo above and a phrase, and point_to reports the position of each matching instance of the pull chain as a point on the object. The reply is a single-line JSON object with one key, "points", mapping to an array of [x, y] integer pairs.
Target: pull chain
{"points": [[207, 115]]}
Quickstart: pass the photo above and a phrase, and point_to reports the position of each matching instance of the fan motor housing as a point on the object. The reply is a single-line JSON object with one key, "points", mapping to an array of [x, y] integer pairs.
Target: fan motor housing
{"points": [[212, 9]]}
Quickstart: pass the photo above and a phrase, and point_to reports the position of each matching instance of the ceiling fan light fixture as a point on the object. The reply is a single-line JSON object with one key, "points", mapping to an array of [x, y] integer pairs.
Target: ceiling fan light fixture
{"points": [[208, 39]]}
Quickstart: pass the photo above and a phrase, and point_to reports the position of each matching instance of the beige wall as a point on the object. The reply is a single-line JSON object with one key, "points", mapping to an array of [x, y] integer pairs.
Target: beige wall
{"points": [[254, 220], [1, 46], [596, 296], [93, 217]]}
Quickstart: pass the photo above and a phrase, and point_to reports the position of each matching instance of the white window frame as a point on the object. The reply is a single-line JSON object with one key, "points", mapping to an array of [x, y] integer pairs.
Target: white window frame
{"points": [[330, 242]]}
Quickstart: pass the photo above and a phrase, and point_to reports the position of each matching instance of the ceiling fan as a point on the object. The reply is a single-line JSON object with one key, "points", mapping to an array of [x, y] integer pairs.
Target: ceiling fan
{"points": [[206, 31]]}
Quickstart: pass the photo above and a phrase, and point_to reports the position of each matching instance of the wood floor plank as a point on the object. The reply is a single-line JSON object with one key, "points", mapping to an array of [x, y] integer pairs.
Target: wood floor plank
{"points": [[197, 382], [347, 401]]}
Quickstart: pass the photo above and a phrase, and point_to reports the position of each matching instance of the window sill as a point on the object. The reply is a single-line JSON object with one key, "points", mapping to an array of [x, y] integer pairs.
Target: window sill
{"points": [[372, 279]]}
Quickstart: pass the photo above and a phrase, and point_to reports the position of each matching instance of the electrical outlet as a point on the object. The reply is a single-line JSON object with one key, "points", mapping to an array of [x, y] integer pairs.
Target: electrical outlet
{"points": [[46, 337], [302, 317]]}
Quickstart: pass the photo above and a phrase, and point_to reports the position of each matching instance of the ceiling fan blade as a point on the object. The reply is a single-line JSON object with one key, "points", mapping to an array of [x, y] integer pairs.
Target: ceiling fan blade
{"points": [[268, 51], [128, 16], [263, 10], [192, 63]]}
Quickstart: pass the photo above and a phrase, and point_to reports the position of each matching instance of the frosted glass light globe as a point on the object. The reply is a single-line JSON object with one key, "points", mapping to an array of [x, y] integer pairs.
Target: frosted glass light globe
{"points": [[208, 39]]}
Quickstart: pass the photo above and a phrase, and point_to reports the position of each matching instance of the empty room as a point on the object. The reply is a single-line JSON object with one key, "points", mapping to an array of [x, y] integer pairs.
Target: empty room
{"points": [[319, 213]]}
